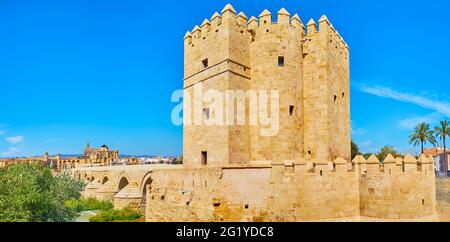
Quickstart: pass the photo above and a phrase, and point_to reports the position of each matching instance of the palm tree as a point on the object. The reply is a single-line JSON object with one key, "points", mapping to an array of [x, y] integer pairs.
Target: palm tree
{"points": [[422, 134], [441, 133]]}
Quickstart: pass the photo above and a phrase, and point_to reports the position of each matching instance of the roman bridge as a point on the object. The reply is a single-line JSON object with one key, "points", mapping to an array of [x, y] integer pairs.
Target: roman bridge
{"points": [[124, 186]]}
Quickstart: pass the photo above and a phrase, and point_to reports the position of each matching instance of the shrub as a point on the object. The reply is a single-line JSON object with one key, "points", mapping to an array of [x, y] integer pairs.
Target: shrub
{"points": [[90, 204], [124, 215]]}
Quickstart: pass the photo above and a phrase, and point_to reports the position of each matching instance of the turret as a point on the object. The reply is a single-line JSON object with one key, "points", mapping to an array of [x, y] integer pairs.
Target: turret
{"points": [[360, 164], [228, 13], [324, 27], [206, 26], [265, 18], [196, 32], [324, 23], [297, 23], [425, 165], [312, 27], [252, 23], [246, 60], [216, 19], [241, 19], [389, 164], [188, 38], [283, 16], [373, 164]]}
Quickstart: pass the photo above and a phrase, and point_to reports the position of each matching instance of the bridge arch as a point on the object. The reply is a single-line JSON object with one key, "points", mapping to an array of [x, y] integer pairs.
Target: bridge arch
{"points": [[147, 180], [123, 182]]}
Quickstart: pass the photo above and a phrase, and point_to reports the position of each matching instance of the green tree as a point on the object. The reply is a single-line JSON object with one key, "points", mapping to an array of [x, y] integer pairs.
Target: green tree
{"points": [[385, 151], [355, 150], [366, 155], [30, 193], [442, 132], [421, 135]]}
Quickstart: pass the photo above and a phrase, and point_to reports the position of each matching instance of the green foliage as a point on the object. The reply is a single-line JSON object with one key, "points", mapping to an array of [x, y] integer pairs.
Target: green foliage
{"points": [[442, 132], [124, 215], [89, 204], [355, 150], [421, 135], [385, 151], [30, 193], [366, 155]]}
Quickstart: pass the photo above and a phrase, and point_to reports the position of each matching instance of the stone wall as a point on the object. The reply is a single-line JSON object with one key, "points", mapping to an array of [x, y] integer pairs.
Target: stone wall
{"points": [[398, 189], [304, 191], [443, 198], [278, 193], [361, 190]]}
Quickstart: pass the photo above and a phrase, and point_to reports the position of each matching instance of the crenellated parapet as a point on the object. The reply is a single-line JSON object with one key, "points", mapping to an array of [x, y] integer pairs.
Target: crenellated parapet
{"points": [[394, 166], [423, 166], [264, 20]]}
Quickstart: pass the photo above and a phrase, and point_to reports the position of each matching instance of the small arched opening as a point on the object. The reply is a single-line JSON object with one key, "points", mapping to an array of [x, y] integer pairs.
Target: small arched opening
{"points": [[105, 180], [123, 183]]}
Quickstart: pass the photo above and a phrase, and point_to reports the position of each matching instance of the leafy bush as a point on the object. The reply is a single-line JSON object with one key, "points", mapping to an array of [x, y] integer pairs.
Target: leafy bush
{"points": [[30, 193], [124, 215], [90, 204]]}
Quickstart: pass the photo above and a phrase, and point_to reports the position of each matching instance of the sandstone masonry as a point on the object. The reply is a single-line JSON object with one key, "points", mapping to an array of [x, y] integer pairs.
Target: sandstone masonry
{"points": [[305, 172]]}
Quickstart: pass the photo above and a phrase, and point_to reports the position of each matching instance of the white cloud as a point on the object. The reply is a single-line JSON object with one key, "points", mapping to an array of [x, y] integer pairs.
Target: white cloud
{"points": [[411, 122], [11, 151], [356, 130], [15, 139], [366, 144], [440, 106], [367, 147]]}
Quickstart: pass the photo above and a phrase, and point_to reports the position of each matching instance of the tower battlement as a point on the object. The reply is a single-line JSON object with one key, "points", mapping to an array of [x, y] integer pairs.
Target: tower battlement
{"points": [[395, 166], [264, 20]]}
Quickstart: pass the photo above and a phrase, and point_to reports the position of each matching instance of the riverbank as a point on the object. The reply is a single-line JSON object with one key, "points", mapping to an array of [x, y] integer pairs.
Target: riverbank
{"points": [[85, 216]]}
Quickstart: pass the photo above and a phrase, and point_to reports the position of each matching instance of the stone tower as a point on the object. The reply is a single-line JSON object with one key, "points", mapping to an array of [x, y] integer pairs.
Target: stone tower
{"points": [[309, 67]]}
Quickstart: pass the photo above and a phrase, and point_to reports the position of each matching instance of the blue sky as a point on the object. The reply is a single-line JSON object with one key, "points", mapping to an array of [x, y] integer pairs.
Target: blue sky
{"points": [[104, 71]]}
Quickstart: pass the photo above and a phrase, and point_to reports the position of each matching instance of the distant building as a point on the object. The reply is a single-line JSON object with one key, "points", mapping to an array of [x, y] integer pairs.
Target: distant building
{"points": [[91, 157], [438, 155]]}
